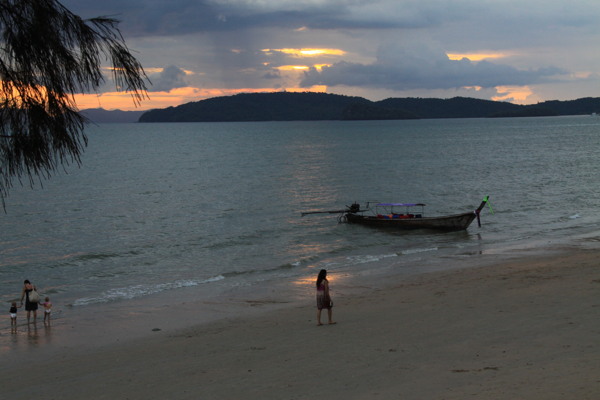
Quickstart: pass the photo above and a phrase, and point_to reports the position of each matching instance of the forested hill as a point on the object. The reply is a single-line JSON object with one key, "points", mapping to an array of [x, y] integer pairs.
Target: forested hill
{"points": [[288, 106], [280, 106], [99, 115]]}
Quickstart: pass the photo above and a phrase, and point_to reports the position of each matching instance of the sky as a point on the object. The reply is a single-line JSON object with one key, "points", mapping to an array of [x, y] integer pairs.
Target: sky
{"points": [[520, 51]]}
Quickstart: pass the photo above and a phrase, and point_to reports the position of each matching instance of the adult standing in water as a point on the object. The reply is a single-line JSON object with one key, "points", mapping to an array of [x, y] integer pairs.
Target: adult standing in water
{"points": [[323, 297], [29, 304]]}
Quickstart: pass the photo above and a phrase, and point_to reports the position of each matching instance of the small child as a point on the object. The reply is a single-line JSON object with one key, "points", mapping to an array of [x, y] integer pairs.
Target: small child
{"points": [[47, 309], [13, 314]]}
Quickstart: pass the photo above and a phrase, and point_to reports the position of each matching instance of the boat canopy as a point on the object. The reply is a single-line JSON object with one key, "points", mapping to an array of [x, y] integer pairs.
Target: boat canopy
{"points": [[400, 204]]}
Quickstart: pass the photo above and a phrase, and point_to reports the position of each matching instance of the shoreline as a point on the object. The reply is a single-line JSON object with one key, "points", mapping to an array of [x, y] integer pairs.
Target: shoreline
{"points": [[102, 324], [518, 328]]}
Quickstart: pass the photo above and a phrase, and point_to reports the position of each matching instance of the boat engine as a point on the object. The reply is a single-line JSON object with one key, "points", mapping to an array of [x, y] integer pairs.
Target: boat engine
{"points": [[354, 208]]}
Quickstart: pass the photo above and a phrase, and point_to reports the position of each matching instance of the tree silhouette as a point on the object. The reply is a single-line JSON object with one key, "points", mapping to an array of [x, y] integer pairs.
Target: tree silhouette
{"points": [[47, 54]]}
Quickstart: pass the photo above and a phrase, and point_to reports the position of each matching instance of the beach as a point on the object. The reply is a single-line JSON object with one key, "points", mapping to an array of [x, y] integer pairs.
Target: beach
{"points": [[523, 328]]}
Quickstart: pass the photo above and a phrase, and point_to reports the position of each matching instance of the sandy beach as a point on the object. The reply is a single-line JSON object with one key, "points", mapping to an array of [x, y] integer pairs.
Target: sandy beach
{"points": [[528, 328]]}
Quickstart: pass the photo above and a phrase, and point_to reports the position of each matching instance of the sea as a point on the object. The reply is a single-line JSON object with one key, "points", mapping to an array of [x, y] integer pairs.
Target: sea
{"points": [[164, 212]]}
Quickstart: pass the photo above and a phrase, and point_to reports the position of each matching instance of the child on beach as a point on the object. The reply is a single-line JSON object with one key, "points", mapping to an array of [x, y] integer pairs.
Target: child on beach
{"points": [[13, 314], [47, 309]]}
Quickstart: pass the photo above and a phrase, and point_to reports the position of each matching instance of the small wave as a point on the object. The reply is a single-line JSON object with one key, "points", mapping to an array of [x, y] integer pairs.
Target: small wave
{"points": [[575, 216], [131, 292], [355, 260], [261, 271], [95, 256], [213, 279], [227, 244], [417, 251], [363, 259], [81, 258]]}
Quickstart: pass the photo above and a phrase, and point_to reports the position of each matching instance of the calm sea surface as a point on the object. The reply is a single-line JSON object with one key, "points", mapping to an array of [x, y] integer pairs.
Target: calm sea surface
{"points": [[214, 206]]}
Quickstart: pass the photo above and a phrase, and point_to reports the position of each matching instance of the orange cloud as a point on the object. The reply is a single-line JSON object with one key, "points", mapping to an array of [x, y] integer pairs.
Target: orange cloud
{"points": [[516, 94]]}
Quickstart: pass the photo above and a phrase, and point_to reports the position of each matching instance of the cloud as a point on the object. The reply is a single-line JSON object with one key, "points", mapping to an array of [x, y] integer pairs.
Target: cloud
{"points": [[169, 78], [223, 42], [418, 67], [179, 17]]}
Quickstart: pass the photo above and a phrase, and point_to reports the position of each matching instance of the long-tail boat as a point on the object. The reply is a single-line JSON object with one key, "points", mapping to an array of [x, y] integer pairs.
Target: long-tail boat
{"points": [[411, 216]]}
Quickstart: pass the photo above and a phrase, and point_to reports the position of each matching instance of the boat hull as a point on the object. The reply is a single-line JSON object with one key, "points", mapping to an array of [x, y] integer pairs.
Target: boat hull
{"points": [[449, 223]]}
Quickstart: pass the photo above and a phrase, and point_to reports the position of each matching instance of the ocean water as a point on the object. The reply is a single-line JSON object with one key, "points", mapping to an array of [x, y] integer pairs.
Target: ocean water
{"points": [[213, 208]]}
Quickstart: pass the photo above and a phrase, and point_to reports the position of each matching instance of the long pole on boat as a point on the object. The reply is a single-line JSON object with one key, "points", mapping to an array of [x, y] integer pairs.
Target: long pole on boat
{"points": [[324, 212], [354, 208]]}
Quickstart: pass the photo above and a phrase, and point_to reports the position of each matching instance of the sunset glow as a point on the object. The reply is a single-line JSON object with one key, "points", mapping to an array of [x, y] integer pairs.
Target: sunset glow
{"points": [[514, 94], [301, 67], [173, 98], [320, 66], [307, 52], [376, 49], [293, 68], [475, 56], [154, 70]]}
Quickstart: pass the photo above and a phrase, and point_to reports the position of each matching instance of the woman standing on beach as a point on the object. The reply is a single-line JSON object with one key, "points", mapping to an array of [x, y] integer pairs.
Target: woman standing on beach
{"points": [[323, 298], [29, 304]]}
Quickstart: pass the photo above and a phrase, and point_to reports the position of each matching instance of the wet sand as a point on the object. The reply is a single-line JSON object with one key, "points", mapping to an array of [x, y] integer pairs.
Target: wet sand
{"points": [[527, 328]]}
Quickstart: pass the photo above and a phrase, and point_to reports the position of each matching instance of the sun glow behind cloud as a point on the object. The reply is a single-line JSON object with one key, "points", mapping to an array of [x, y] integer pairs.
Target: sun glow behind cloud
{"points": [[301, 67], [476, 56], [154, 70], [181, 95], [306, 52], [293, 68]]}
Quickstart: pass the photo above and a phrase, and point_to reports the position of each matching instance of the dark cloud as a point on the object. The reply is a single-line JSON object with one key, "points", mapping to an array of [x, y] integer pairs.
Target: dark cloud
{"points": [[170, 78], [178, 17], [401, 69], [151, 17], [272, 75]]}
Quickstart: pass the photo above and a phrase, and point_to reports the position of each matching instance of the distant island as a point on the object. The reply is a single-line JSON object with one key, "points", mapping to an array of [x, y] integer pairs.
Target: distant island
{"points": [[309, 106], [101, 116]]}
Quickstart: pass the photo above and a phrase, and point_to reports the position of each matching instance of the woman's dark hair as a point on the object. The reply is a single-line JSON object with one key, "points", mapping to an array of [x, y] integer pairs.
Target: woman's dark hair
{"points": [[322, 275], [26, 281]]}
